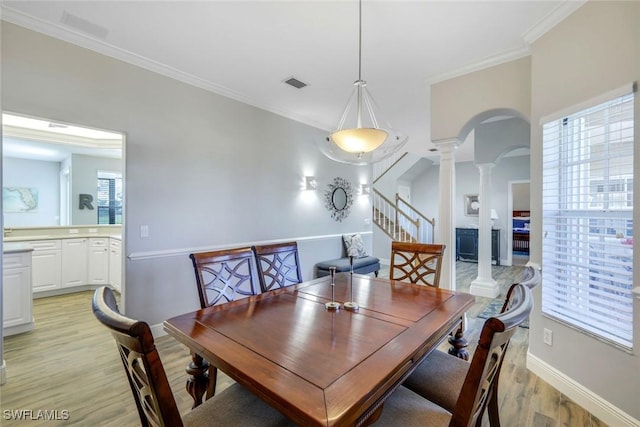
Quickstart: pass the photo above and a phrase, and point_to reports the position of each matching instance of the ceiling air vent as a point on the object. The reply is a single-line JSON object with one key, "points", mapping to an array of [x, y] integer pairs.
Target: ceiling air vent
{"points": [[292, 81]]}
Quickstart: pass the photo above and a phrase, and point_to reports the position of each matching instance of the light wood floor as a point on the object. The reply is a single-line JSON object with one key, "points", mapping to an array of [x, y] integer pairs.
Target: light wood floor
{"points": [[70, 362]]}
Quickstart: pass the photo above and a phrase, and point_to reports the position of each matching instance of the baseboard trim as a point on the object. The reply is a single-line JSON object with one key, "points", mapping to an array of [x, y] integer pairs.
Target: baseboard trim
{"points": [[604, 410]]}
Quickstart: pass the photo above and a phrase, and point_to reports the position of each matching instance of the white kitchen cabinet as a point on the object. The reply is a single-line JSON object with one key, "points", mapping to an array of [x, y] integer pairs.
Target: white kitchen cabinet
{"points": [[98, 261], [46, 263], [115, 264], [74, 262], [17, 307]]}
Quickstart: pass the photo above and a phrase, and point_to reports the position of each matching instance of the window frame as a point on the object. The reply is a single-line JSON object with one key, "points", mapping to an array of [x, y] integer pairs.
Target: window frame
{"points": [[588, 291]]}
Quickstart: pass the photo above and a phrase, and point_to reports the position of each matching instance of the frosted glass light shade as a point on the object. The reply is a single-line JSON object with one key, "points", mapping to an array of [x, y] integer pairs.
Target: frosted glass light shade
{"points": [[359, 140]]}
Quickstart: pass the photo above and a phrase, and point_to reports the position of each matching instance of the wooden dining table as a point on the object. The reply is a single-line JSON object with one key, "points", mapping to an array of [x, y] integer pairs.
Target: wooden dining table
{"points": [[324, 367]]}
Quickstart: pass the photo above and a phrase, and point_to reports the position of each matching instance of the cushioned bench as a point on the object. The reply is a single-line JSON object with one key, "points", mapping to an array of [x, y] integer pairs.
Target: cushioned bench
{"points": [[363, 265]]}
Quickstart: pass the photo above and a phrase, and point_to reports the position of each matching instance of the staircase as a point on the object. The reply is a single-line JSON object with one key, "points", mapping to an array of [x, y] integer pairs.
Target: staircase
{"points": [[401, 221]]}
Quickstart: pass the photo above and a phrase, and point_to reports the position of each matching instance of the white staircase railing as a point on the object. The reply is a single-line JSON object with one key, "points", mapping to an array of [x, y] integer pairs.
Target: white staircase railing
{"points": [[401, 221], [425, 227], [383, 166]]}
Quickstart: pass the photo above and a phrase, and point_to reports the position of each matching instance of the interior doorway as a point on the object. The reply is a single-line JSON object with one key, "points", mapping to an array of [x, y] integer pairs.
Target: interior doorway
{"points": [[519, 207], [58, 165]]}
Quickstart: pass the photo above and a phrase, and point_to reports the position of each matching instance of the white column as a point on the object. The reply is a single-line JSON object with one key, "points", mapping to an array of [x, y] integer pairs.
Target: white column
{"points": [[447, 202], [484, 285]]}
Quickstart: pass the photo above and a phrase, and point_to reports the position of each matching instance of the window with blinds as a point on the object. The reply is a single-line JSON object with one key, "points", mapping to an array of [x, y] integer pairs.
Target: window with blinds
{"points": [[587, 196], [109, 198]]}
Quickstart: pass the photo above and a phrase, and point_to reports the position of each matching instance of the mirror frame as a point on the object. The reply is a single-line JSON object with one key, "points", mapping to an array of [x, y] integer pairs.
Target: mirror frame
{"points": [[343, 184]]}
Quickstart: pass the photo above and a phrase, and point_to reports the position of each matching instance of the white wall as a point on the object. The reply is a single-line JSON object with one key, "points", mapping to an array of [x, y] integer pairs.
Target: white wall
{"points": [[201, 170], [41, 175]]}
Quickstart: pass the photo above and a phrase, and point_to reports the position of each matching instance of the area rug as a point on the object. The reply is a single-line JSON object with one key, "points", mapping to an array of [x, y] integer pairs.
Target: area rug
{"points": [[493, 309]]}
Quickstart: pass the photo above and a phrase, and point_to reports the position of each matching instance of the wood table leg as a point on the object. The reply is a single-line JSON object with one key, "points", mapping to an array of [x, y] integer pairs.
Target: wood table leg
{"points": [[198, 383], [459, 344]]}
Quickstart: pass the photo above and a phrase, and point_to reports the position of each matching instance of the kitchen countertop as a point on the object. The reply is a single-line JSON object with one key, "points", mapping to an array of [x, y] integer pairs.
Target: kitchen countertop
{"points": [[8, 240], [9, 248]]}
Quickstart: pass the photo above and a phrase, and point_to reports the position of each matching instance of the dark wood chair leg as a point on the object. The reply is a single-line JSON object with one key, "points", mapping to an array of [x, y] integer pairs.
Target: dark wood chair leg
{"points": [[198, 383], [459, 345]]}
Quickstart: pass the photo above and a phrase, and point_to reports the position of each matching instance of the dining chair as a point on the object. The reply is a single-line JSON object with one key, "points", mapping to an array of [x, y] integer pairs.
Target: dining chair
{"points": [[278, 265], [224, 276], [531, 275], [234, 406], [417, 263], [447, 391]]}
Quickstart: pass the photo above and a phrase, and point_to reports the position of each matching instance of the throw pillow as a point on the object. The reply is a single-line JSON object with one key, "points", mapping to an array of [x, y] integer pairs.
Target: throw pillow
{"points": [[354, 246]]}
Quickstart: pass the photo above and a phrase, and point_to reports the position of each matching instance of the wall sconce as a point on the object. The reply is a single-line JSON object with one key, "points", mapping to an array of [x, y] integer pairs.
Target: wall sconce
{"points": [[365, 189], [310, 183]]}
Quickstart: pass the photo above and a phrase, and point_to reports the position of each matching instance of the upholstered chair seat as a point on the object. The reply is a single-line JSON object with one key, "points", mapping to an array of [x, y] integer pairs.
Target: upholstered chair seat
{"points": [[235, 406], [404, 408], [439, 378], [446, 391]]}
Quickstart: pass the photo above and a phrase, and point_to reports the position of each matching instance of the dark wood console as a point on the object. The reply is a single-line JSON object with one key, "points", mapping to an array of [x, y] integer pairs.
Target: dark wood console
{"points": [[467, 245]]}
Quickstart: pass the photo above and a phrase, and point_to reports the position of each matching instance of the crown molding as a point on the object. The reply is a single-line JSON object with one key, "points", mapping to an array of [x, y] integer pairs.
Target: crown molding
{"points": [[551, 19], [68, 35], [507, 56]]}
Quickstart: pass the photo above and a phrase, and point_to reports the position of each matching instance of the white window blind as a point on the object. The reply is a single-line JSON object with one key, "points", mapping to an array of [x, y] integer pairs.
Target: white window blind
{"points": [[587, 196]]}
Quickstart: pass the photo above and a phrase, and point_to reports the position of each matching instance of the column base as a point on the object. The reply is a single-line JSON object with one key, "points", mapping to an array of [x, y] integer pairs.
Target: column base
{"points": [[484, 287]]}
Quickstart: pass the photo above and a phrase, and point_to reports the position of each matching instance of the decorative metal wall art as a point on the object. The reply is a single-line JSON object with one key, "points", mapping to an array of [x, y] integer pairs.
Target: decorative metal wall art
{"points": [[338, 198]]}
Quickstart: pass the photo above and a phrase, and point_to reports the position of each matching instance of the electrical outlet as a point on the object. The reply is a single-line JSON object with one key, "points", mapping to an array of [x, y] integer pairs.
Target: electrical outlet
{"points": [[144, 231], [547, 337]]}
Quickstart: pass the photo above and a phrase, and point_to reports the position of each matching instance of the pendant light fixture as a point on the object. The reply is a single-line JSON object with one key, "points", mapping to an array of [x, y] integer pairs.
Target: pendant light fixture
{"points": [[359, 137]]}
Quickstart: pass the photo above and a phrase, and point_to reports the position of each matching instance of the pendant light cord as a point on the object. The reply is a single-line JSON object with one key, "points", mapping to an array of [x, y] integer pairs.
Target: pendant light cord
{"points": [[360, 40]]}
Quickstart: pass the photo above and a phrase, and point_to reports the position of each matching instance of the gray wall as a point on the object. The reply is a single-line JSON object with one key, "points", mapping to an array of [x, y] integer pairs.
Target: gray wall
{"points": [[201, 170], [42, 175], [425, 192], [497, 138]]}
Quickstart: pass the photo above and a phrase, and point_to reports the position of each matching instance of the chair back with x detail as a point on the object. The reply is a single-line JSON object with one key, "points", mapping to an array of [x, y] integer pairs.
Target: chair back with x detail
{"points": [[225, 275], [458, 392], [417, 263], [234, 406], [146, 375], [278, 265]]}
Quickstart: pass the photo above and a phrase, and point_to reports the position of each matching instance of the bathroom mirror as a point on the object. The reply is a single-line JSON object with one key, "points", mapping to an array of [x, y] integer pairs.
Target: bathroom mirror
{"points": [[339, 198]]}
